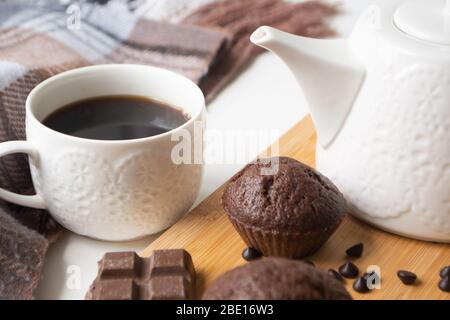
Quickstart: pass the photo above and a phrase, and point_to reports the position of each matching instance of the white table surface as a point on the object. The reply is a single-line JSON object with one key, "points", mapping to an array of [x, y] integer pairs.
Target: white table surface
{"points": [[263, 97]]}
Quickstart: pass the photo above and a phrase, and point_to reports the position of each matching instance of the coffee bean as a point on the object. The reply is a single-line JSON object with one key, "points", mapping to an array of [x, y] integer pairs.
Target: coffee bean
{"points": [[355, 251], [445, 272], [360, 285], [406, 277], [335, 274], [250, 254], [349, 270], [444, 284]]}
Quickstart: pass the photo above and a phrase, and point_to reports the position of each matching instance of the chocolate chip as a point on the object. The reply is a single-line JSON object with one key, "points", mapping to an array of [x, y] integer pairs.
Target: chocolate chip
{"points": [[250, 254], [355, 251], [335, 274], [445, 272], [444, 284], [349, 270], [406, 277], [360, 285]]}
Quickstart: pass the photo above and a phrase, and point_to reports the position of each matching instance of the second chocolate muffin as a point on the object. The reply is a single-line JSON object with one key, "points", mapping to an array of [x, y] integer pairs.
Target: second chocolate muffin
{"points": [[289, 213], [276, 279]]}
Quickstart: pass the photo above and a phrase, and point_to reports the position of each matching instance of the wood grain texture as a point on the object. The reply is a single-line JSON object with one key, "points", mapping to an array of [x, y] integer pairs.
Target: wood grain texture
{"points": [[216, 247]]}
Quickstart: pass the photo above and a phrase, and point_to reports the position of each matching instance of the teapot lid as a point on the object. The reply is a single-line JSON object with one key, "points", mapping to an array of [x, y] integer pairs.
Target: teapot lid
{"points": [[425, 20]]}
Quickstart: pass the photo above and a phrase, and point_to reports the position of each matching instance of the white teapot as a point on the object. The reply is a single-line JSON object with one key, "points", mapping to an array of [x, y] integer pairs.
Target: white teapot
{"points": [[380, 102]]}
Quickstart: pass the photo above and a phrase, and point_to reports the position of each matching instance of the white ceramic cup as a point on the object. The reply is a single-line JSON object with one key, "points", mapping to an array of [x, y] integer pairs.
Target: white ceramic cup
{"points": [[110, 190]]}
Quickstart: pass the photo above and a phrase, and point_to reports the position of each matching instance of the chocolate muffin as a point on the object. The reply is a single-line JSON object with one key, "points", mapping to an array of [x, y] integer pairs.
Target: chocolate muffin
{"points": [[276, 279], [290, 212]]}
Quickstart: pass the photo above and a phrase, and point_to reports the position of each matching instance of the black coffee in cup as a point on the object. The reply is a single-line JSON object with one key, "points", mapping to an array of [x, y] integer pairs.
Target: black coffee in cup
{"points": [[116, 118]]}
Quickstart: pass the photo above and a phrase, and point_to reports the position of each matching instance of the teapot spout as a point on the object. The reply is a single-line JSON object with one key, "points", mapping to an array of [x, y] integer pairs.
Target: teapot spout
{"points": [[326, 70]]}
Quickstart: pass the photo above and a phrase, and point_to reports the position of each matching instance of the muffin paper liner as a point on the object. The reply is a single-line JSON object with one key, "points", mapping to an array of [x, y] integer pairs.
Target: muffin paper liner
{"points": [[283, 244]]}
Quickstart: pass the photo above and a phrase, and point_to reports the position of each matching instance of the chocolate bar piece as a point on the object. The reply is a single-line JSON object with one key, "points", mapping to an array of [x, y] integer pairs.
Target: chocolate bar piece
{"points": [[166, 275]]}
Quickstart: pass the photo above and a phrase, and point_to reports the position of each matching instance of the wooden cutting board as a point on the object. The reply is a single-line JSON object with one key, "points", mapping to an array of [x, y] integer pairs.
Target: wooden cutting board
{"points": [[216, 247]]}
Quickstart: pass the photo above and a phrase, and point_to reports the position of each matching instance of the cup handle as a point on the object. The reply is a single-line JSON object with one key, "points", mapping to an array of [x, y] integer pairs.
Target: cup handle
{"points": [[33, 201]]}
